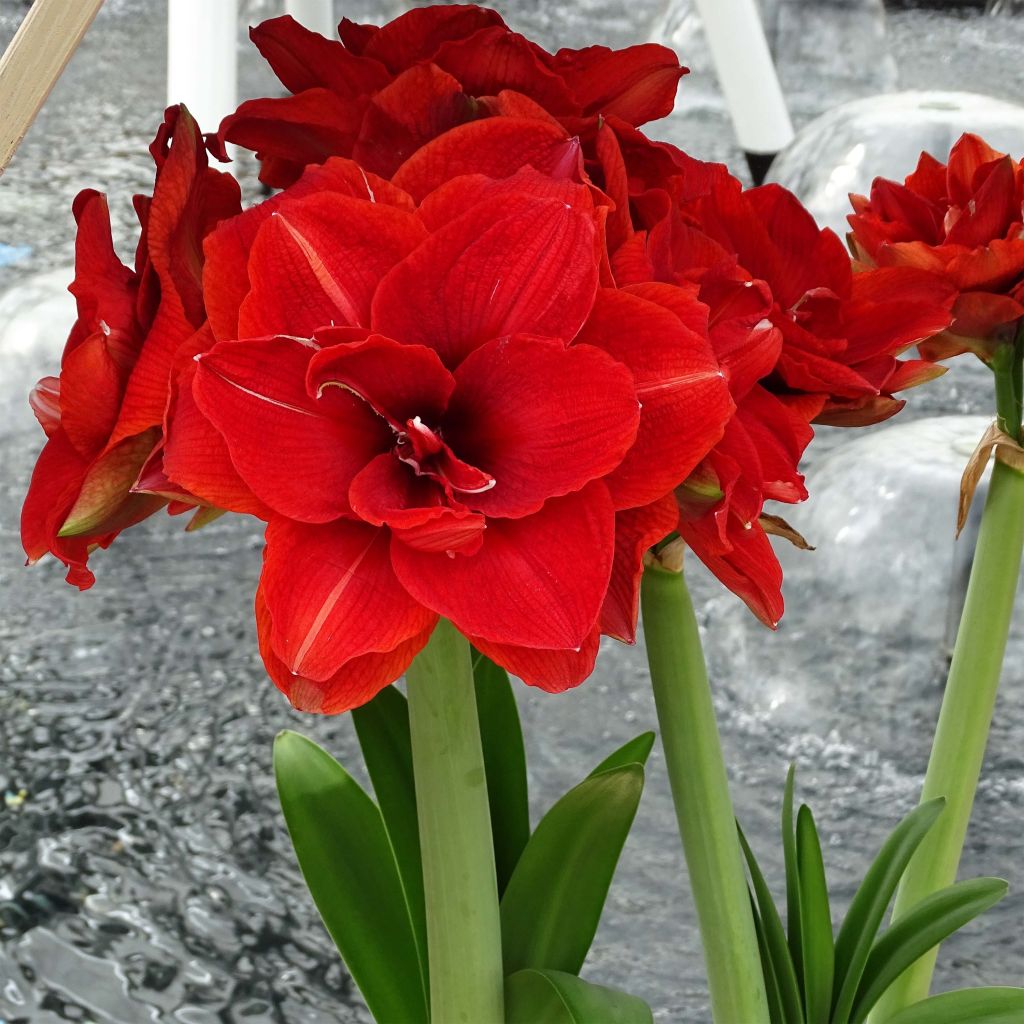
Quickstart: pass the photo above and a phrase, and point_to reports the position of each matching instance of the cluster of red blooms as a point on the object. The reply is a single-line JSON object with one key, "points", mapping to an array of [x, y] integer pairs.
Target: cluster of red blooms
{"points": [[962, 221], [486, 347]]}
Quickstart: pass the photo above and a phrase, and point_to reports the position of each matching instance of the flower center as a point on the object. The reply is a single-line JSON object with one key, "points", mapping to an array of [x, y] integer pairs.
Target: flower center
{"points": [[425, 451]]}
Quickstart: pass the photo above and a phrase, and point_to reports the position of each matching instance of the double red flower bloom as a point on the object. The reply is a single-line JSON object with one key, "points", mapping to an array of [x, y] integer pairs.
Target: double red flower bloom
{"points": [[382, 93], [103, 415], [487, 348], [963, 222], [443, 414]]}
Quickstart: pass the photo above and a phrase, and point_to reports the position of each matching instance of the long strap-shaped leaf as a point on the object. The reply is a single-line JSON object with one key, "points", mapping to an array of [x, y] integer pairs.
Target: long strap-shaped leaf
{"points": [[349, 865], [932, 921], [771, 985], [505, 764], [817, 949], [383, 730], [636, 751], [966, 1006], [792, 876], [554, 997], [776, 947], [553, 902], [867, 909]]}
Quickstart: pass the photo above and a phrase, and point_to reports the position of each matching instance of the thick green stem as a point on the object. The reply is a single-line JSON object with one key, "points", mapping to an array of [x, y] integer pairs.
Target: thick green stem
{"points": [[463, 926], [700, 790], [968, 703]]}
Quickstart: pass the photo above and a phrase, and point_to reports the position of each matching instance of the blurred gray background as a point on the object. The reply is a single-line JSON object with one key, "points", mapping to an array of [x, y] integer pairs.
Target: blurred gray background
{"points": [[145, 874]]}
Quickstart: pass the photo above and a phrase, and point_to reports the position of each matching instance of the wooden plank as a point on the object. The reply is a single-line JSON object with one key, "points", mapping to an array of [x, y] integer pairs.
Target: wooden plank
{"points": [[33, 62]]}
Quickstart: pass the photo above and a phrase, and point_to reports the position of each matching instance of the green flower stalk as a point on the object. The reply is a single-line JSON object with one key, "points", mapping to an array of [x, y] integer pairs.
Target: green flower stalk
{"points": [[459, 879], [969, 700], [700, 791]]}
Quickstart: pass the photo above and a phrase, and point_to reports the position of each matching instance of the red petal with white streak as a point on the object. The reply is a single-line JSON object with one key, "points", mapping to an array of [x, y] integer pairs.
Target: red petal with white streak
{"points": [[333, 596], [356, 682], [318, 262], [298, 454]]}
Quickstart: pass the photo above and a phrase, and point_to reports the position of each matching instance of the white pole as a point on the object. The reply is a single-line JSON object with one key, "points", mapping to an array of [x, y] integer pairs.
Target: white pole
{"points": [[202, 58], [747, 75], [317, 15]]}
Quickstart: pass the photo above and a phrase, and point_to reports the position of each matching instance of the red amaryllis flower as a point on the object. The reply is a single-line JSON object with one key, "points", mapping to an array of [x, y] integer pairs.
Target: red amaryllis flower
{"points": [[444, 414], [962, 221], [380, 94], [800, 337], [103, 414]]}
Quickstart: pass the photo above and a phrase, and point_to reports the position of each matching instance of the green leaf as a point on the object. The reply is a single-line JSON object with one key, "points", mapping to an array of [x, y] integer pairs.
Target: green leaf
{"points": [[815, 920], [504, 763], [554, 997], [924, 926], [792, 1010], [868, 906], [382, 726], [771, 986], [966, 1006], [636, 751], [349, 865], [792, 876], [553, 902]]}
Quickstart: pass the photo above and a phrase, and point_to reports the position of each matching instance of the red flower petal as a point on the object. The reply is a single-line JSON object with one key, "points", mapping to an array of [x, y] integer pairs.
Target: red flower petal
{"points": [[298, 454], [495, 59], [750, 570], [537, 581], [636, 531], [683, 394], [289, 133], [104, 288], [454, 198], [416, 35], [333, 596], [488, 275], [991, 210], [452, 531], [892, 308], [553, 671], [968, 156], [196, 458], [356, 682], [398, 381], [226, 271], [306, 60], [541, 419], [388, 492], [105, 502], [188, 200], [779, 435], [637, 84], [418, 106], [90, 394], [44, 399], [56, 481], [496, 147], [318, 262]]}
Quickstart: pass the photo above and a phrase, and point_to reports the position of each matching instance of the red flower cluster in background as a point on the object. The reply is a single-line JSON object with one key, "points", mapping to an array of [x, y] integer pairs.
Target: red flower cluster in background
{"points": [[103, 415], [487, 347], [962, 221]]}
